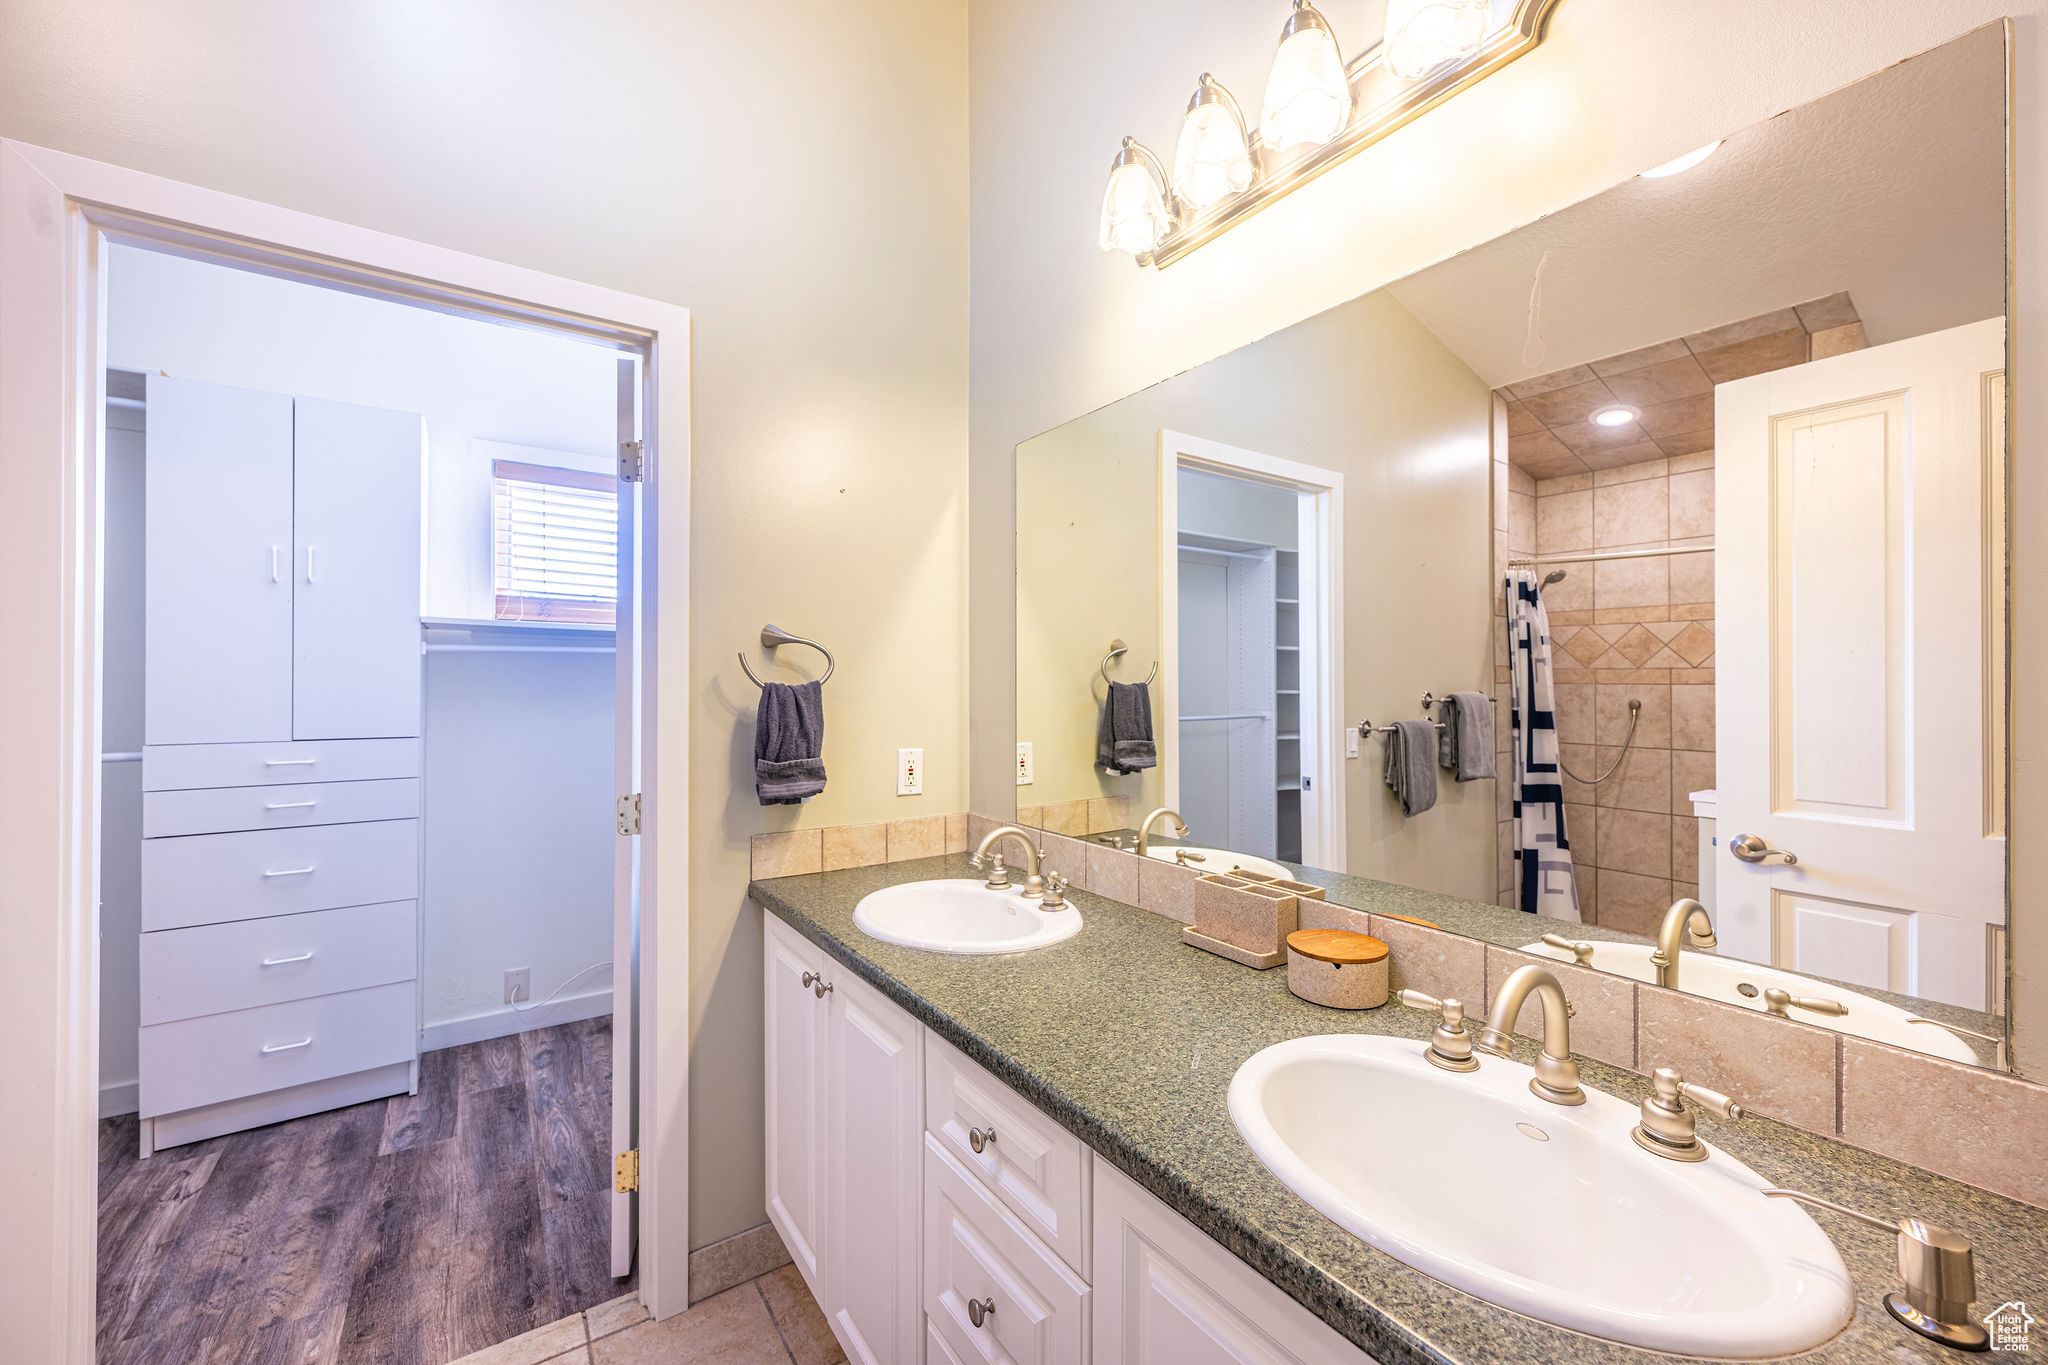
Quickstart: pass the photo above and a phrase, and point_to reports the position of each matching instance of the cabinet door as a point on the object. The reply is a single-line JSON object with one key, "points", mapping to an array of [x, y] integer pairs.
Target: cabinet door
{"points": [[357, 472], [874, 1106], [1167, 1294], [217, 615], [795, 1054]]}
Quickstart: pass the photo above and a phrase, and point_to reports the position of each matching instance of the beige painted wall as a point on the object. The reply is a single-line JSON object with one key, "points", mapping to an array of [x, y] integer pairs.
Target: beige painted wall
{"points": [[1365, 390], [827, 282], [1061, 327]]}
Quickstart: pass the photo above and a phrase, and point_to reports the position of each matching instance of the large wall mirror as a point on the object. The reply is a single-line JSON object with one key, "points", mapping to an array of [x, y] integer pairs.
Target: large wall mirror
{"points": [[1693, 494]]}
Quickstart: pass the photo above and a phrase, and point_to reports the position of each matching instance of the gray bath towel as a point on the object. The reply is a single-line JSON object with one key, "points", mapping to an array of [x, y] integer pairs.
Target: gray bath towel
{"points": [[789, 743], [1411, 765], [1465, 744], [1123, 742]]}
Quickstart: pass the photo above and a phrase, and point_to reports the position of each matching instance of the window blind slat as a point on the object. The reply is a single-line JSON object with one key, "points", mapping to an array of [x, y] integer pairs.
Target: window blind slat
{"points": [[555, 536]]}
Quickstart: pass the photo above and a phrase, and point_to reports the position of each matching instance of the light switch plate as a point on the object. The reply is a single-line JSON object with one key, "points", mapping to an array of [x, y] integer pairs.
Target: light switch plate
{"points": [[910, 772], [1024, 778], [1350, 742]]}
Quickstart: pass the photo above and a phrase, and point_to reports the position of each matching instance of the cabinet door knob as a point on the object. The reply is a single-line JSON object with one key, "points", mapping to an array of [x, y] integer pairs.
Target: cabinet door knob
{"points": [[980, 1310], [810, 979], [822, 988], [980, 1139]]}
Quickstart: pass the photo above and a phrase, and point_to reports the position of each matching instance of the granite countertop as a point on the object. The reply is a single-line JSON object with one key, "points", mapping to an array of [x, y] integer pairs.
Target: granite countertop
{"points": [[1129, 1039]]}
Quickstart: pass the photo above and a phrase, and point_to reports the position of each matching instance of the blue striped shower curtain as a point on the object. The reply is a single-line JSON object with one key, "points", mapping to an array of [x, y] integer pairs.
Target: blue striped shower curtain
{"points": [[1543, 852]]}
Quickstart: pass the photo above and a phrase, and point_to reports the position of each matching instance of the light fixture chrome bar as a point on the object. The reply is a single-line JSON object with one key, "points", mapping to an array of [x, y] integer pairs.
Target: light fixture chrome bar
{"points": [[1531, 562], [1381, 103]]}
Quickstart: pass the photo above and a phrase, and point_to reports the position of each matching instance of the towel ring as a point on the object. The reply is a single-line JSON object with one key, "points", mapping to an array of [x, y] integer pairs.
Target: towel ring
{"points": [[771, 636], [1117, 647]]}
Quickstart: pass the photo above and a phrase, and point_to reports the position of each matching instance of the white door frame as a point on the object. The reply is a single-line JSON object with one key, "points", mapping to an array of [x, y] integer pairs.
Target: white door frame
{"points": [[58, 212], [1322, 625]]}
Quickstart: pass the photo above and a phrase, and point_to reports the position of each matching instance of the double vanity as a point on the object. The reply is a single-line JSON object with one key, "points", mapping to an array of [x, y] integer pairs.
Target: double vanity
{"points": [[1002, 1131]]}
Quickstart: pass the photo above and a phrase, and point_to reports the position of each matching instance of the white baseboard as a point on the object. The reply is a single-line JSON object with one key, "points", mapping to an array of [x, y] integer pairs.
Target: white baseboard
{"points": [[119, 1097], [505, 1020]]}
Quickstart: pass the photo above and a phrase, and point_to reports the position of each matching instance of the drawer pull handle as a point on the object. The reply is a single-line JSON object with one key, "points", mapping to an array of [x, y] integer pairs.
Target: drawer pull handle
{"points": [[288, 805], [289, 762], [269, 1048], [818, 984], [281, 961], [980, 1310], [980, 1138], [290, 872]]}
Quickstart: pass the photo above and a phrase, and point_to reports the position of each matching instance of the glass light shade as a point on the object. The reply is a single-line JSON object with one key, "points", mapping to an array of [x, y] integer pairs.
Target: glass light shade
{"points": [[1213, 159], [1308, 97], [1424, 34], [1134, 213]]}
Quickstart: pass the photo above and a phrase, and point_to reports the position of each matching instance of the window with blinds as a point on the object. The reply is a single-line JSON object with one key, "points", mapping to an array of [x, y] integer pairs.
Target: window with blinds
{"points": [[556, 534]]}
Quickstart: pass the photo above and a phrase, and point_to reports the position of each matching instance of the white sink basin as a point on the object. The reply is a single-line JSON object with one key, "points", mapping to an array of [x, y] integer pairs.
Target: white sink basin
{"points": [[962, 917], [1218, 860], [1716, 978], [1550, 1211]]}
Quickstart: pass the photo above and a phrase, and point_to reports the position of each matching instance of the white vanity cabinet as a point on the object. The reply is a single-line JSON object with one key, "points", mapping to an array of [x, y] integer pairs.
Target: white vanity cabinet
{"points": [[941, 1217]]}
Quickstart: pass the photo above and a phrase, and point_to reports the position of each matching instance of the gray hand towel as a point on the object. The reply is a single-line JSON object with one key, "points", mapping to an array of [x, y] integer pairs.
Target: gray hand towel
{"points": [[1465, 744], [1123, 741], [789, 743], [1411, 765]]}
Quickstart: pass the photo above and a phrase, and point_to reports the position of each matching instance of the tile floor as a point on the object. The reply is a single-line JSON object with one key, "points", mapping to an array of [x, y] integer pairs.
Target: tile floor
{"points": [[769, 1321]]}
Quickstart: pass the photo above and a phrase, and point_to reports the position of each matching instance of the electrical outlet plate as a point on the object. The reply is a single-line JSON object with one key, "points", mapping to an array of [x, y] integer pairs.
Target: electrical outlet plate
{"points": [[910, 772], [518, 984], [1024, 777]]}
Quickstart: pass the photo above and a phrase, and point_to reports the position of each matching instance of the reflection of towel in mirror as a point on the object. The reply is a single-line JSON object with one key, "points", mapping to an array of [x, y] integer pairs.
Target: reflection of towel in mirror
{"points": [[1411, 765], [1465, 745], [789, 743], [1123, 743]]}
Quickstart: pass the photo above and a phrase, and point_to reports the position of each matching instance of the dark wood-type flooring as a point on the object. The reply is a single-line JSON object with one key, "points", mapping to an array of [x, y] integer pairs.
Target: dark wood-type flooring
{"points": [[408, 1231]]}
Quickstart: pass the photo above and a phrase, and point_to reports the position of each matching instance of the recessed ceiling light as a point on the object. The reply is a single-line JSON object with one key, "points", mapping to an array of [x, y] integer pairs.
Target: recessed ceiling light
{"points": [[1615, 415], [1679, 165]]}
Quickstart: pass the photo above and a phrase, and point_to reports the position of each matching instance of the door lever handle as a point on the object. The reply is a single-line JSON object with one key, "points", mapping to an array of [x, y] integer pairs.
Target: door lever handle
{"points": [[1751, 849]]}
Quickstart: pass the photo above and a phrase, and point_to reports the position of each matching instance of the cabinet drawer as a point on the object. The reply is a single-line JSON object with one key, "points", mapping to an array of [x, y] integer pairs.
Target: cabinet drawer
{"points": [[216, 968], [173, 767], [976, 1250], [221, 1056], [213, 878], [220, 810], [1035, 1166]]}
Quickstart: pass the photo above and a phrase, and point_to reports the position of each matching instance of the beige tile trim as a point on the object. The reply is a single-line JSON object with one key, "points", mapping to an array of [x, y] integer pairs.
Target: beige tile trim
{"points": [[829, 848], [741, 1257]]}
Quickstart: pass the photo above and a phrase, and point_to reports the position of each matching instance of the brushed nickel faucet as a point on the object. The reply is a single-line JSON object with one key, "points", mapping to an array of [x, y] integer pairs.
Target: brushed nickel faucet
{"points": [[1686, 916], [1034, 884], [1667, 1128], [1582, 952], [1180, 829], [1450, 1046], [1557, 1075]]}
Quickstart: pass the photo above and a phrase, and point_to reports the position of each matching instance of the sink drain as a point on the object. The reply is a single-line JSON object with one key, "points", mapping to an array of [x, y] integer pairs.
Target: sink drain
{"points": [[1530, 1130]]}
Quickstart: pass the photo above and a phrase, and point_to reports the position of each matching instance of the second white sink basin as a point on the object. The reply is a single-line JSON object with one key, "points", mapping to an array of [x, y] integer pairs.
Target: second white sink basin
{"points": [[1550, 1211], [1218, 860], [962, 917]]}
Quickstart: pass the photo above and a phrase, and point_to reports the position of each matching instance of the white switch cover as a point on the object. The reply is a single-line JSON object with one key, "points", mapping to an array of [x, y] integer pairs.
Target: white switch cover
{"points": [[910, 772], [1024, 778], [1350, 742]]}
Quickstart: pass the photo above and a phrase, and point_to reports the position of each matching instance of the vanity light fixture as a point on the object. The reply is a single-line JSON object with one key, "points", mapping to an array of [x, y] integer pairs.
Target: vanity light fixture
{"points": [[1308, 93], [1136, 214], [1213, 160], [1423, 35], [1615, 415], [1678, 165]]}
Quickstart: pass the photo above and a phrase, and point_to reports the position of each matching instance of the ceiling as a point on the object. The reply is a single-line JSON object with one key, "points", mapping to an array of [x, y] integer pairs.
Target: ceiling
{"points": [[1891, 190]]}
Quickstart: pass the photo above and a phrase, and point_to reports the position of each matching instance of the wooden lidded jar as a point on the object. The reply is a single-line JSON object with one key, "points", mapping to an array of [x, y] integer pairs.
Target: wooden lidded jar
{"points": [[1338, 968]]}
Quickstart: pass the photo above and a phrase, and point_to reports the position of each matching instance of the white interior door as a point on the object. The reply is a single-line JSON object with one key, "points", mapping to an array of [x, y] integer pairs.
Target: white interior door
{"points": [[357, 473], [1858, 726], [625, 862], [217, 609]]}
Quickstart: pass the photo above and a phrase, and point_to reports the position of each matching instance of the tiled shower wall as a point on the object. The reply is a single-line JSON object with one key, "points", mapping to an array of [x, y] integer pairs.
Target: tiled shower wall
{"points": [[1638, 629]]}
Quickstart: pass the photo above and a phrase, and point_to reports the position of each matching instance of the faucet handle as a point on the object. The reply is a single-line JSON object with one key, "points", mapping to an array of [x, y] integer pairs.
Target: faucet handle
{"points": [[1450, 1046], [1940, 1270], [1666, 1127], [1581, 952], [998, 874], [1051, 899], [1781, 1002]]}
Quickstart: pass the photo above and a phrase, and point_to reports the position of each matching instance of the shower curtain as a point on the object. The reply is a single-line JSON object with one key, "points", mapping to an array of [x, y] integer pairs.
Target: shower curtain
{"points": [[1543, 853]]}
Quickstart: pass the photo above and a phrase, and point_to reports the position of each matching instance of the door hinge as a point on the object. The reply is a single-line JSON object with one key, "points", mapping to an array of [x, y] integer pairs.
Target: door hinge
{"points": [[629, 814], [626, 1172], [631, 459]]}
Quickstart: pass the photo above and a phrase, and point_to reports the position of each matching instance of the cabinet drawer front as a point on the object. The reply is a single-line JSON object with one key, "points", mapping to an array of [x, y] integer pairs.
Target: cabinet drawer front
{"points": [[216, 968], [221, 810], [1035, 1166], [173, 767], [977, 1251], [213, 878], [222, 1056]]}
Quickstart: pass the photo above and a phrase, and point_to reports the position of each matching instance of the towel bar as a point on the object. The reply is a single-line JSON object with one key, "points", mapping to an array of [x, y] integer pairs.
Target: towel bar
{"points": [[1366, 729], [771, 636], [1117, 647]]}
